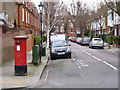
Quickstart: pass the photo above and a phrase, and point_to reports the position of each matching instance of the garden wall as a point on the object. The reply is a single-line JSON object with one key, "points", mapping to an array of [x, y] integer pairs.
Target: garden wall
{"points": [[7, 45]]}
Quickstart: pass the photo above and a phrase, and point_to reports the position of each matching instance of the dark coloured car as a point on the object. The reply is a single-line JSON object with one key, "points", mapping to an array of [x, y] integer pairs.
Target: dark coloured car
{"points": [[59, 49], [85, 41]]}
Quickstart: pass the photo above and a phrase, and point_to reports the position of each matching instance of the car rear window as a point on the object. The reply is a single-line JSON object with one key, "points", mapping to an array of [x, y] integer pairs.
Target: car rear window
{"points": [[97, 39], [86, 39], [59, 43]]}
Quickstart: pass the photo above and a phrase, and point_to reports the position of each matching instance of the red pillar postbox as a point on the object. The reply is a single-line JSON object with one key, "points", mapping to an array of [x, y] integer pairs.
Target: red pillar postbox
{"points": [[20, 55]]}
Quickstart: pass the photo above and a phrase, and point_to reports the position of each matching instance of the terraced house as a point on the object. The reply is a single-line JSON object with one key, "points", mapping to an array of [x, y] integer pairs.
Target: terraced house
{"points": [[17, 18], [22, 15]]}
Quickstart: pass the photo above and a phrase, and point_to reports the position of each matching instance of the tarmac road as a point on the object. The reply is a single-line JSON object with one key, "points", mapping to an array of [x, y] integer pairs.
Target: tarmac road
{"points": [[88, 68]]}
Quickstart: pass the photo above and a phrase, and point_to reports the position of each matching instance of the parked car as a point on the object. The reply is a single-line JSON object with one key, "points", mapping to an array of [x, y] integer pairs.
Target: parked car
{"points": [[96, 42], [78, 40], [55, 37], [59, 49], [73, 39], [85, 41], [69, 38]]}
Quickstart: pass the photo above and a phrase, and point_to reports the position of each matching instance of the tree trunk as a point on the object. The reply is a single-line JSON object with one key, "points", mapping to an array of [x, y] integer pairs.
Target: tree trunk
{"points": [[48, 35], [48, 25], [101, 32]]}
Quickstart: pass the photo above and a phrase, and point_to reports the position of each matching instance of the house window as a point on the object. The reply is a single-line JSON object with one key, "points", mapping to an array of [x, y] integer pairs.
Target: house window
{"points": [[26, 17], [23, 14], [112, 15]]}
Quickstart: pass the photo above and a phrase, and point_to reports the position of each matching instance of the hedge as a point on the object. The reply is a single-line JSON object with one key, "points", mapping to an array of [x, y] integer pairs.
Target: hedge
{"points": [[37, 39], [112, 39]]}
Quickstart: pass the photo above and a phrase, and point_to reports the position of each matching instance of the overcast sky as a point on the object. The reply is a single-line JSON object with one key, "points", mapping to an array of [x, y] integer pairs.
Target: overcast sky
{"points": [[90, 3]]}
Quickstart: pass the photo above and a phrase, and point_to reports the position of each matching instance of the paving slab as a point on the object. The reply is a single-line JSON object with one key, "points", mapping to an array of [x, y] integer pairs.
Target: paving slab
{"points": [[9, 80]]}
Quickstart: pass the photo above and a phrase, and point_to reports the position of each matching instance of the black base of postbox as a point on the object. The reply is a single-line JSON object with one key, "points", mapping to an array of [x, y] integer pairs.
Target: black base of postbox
{"points": [[20, 70]]}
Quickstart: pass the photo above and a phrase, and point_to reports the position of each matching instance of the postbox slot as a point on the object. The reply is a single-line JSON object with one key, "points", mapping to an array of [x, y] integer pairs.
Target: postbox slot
{"points": [[17, 42]]}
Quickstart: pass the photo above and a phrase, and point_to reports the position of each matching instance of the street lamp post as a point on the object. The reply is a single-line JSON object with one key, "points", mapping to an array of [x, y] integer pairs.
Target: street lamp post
{"points": [[41, 9]]}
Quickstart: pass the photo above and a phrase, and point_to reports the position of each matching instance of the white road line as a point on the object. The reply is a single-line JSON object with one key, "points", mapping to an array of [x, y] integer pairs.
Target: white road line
{"points": [[80, 67], [73, 59], [86, 52], [85, 65], [83, 51], [96, 58], [77, 63], [81, 74], [110, 65], [101, 60], [46, 76]]}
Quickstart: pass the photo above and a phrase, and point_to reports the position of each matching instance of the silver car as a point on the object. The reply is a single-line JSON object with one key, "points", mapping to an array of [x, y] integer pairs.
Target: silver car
{"points": [[96, 42], [78, 40]]}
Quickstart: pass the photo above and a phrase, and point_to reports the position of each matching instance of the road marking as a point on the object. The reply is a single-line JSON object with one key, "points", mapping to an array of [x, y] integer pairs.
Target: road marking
{"points": [[73, 59], [110, 65], [86, 52], [101, 60], [85, 65], [77, 63], [81, 74], [79, 67], [96, 58], [46, 76], [81, 64]]}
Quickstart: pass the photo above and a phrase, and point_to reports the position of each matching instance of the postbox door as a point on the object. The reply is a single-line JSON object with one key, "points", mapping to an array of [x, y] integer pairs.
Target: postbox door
{"points": [[20, 53]]}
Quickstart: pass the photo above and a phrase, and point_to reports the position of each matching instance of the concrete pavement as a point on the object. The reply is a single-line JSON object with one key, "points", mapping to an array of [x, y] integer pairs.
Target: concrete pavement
{"points": [[9, 80], [112, 48]]}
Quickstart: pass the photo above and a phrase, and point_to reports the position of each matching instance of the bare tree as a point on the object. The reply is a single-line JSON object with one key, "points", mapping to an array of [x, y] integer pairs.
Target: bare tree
{"points": [[114, 6], [100, 14], [79, 16], [55, 12]]}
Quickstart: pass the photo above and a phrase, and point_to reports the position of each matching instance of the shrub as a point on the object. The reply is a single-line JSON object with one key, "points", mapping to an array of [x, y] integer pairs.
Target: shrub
{"points": [[117, 39], [37, 39], [110, 39], [44, 38]]}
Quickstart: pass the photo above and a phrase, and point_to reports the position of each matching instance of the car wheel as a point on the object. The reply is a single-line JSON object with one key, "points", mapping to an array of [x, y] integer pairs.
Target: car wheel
{"points": [[69, 56], [101, 47], [92, 47], [52, 58], [89, 47]]}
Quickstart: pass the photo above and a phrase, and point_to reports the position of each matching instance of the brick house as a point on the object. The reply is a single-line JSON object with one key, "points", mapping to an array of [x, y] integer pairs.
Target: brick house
{"points": [[22, 15], [20, 18], [71, 32], [27, 16]]}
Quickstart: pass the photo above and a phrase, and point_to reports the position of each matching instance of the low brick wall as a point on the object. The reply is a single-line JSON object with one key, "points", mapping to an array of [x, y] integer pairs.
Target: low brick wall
{"points": [[30, 41], [7, 45]]}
